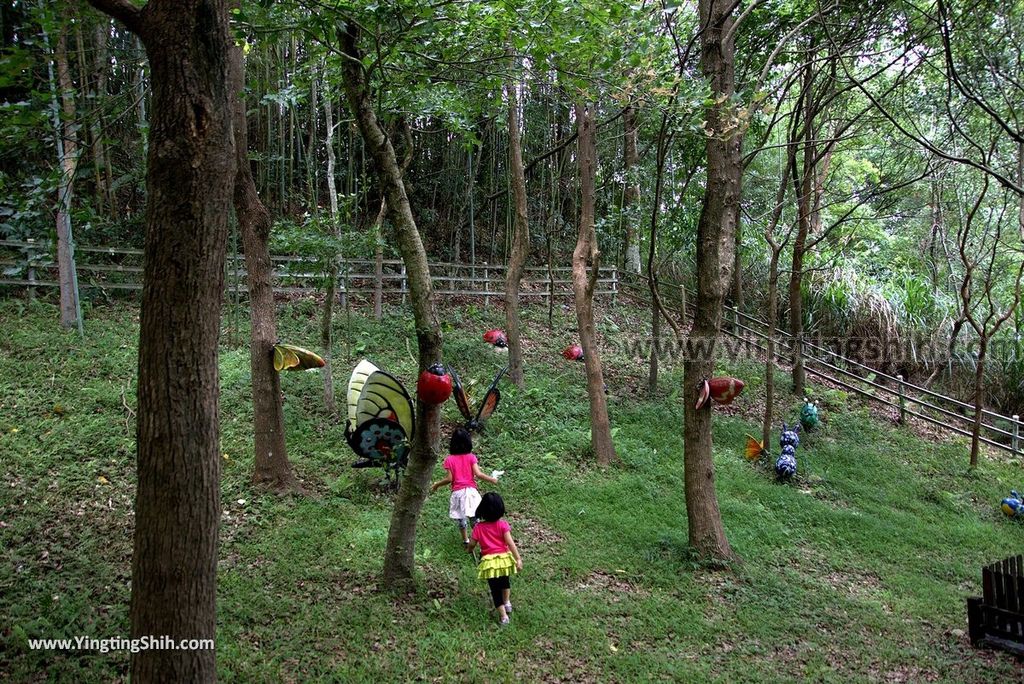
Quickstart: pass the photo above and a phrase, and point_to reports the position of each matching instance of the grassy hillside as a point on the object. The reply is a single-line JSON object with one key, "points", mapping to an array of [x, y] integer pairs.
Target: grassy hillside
{"points": [[857, 571]]}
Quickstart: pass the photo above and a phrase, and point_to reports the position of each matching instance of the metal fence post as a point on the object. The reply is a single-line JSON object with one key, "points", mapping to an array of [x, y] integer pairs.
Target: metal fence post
{"points": [[403, 285], [615, 283], [487, 286], [903, 403], [1015, 443]]}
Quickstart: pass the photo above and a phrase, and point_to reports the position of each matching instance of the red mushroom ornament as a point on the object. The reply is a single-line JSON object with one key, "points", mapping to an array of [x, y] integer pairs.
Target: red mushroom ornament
{"points": [[497, 338], [720, 390], [573, 352], [434, 385]]}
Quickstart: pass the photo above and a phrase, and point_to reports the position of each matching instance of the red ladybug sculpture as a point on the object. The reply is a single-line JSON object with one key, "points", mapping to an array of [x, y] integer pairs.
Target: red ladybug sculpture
{"points": [[720, 390], [497, 338], [573, 352], [434, 385]]}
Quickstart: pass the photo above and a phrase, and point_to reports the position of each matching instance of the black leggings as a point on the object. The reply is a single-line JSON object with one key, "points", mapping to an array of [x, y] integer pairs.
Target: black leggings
{"points": [[498, 585]]}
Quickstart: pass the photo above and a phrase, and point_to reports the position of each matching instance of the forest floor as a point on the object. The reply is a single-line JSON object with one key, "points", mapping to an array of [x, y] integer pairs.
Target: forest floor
{"points": [[857, 570]]}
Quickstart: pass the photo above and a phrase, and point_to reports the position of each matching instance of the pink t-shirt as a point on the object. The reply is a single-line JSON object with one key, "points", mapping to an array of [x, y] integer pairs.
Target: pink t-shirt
{"points": [[491, 536], [461, 468]]}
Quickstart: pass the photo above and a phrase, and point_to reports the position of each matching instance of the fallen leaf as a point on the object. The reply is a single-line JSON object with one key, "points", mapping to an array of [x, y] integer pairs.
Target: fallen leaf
{"points": [[102, 480]]}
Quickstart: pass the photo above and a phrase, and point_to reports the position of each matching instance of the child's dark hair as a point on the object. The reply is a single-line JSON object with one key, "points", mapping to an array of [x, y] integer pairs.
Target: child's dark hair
{"points": [[491, 508], [461, 442]]}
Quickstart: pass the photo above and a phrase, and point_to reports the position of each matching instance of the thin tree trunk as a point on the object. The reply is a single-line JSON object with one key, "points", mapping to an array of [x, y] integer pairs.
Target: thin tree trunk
{"points": [[769, 365], [737, 270], [652, 275], [312, 168], [326, 322], [520, 240], [67, 152], [583, 285], [191, 170], [272, 468], [101, 66], [631, 195], [378, 260], [979, 400], [804, 190], [140, 92], [327, 336], [715, 242], [399, 559]]}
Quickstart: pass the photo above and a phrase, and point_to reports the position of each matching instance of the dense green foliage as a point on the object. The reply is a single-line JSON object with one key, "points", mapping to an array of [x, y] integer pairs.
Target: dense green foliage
{"points": [[857, 571], [915, 113]]}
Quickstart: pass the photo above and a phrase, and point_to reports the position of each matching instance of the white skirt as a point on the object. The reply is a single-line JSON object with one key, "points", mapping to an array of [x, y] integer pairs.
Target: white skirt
{"points": [[463, 503]]}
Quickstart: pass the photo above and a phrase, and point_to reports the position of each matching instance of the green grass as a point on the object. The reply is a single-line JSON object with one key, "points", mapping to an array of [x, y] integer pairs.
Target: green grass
{"points": [[857, 571]]}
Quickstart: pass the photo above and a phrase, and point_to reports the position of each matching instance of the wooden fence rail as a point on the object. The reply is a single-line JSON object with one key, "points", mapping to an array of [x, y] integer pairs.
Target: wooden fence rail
{"points": [[999, 431], [32, 265]]}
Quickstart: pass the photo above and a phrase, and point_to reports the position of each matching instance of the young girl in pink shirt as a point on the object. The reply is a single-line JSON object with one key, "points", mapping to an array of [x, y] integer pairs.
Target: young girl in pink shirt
{"points": [[462, 473], [500, 557]]}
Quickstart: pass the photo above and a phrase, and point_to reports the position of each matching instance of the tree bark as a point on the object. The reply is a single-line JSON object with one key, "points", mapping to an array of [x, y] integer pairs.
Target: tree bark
{"points": [[769, 365], [979, 400], [715, 242], [100, 69], [327, 320], [399, 554], [67, 150], [272, 468], [583, 284], [191, 170], [804, 191], [631, 195], [520, 238]]}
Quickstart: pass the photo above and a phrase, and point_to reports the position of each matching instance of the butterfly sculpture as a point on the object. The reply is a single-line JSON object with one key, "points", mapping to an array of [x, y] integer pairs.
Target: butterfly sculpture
{"points": [[1013, 505], [381, 419], [754, 449], [290, 357], [809, 414], [487, 405], [785, 465], [719, 390]]}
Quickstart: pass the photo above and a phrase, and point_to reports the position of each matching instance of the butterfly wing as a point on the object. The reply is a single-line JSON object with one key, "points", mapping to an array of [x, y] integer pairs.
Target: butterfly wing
{"points": [[292, 357], [491, 399], [355, 388], [379, 440], [384, 396], [461, 400], [754, 449]]}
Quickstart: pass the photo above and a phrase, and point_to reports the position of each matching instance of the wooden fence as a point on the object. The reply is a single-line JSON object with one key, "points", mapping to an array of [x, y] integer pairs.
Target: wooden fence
{"points": [[905, 398], [32, 265], [997, 617]]}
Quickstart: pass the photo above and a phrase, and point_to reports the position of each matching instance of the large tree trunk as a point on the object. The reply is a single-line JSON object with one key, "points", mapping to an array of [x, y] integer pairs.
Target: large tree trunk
{"points": [[272, 468], [401, 544], [631, 195], [715, 242], [520, 239], [191, 169], [583, 285]]}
